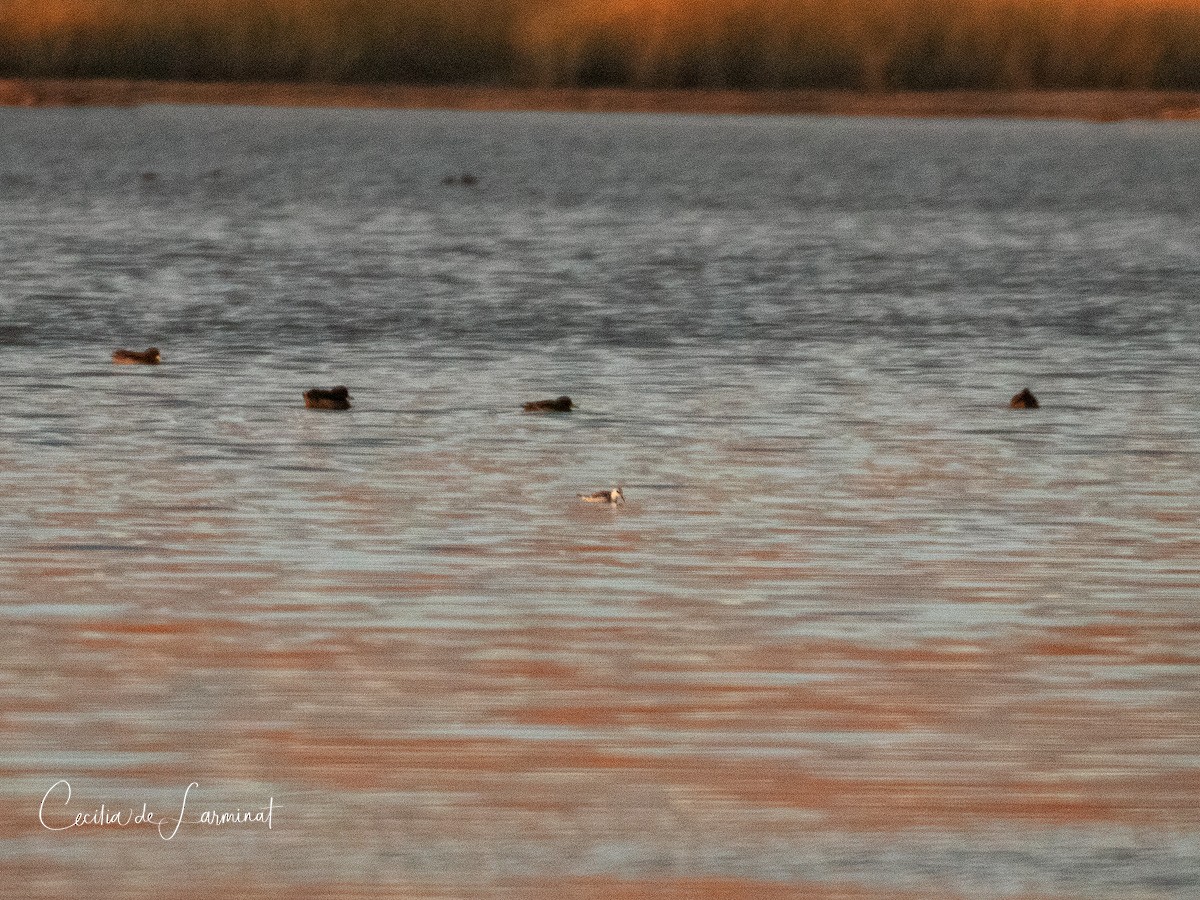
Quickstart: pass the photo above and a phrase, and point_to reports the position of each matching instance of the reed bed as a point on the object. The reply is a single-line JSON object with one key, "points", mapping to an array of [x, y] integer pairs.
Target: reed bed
{"points": [[878, 45]]}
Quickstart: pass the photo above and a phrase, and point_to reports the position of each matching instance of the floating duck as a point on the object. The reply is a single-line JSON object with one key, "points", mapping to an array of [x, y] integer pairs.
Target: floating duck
{"points": [[332, 398], [614, 496], [1024, 400], [149, 357], [560, 404]]}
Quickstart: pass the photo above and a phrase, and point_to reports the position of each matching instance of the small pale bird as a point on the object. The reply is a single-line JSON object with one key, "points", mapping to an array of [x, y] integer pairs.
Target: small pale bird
{"points": [[614, 496]]}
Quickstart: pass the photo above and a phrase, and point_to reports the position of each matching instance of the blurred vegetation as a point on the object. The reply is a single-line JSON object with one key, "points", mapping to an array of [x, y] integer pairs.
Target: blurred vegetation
{"points": [[855, 44]]}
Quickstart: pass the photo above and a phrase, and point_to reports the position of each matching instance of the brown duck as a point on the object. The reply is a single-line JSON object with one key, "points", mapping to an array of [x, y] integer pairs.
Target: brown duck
{"points": [[1024, 400], [559, 404], [150, 357], [331, 398]]}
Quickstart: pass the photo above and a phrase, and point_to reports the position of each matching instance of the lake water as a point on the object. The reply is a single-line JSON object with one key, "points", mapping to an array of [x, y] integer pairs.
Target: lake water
{"points": [[861, 631]]}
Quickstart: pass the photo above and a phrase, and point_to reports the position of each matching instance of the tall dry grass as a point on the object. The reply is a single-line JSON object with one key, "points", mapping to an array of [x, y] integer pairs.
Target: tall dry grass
{"points": [[863, 44]]}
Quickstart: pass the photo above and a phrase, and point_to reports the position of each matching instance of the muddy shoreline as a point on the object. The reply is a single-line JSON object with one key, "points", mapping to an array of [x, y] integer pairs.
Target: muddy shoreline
{"points": [[1104, 106]]}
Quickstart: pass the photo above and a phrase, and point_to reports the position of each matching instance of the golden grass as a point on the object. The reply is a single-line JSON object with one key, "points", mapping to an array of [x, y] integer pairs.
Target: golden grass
{"points": [[857, 44]]}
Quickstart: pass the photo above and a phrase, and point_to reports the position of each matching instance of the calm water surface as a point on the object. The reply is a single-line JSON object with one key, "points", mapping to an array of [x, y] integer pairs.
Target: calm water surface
{"points": [[861, 631]]}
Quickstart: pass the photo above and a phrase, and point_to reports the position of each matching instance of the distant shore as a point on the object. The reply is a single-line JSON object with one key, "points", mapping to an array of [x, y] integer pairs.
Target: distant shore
{"points": [[1103, 106]]}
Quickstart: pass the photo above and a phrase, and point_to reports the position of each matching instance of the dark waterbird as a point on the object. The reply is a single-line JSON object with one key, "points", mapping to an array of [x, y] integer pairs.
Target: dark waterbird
{"points": [[148, 357], [331, 398], [559, 404], [1024, 400]]}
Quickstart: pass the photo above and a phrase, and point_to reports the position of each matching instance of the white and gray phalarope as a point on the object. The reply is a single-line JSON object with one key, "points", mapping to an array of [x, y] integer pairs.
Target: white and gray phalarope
{"points": [[614, 496]]}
